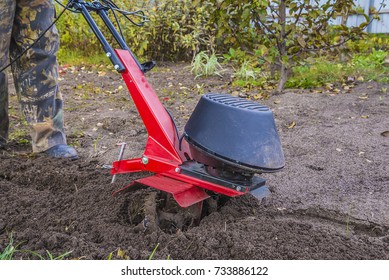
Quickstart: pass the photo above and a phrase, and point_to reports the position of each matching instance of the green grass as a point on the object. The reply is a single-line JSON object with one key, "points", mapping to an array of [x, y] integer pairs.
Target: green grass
{"points": [[9, 250], [325, 70], [321, 72], [153, 252], [71, 57], [49, 256], [206, 65]]}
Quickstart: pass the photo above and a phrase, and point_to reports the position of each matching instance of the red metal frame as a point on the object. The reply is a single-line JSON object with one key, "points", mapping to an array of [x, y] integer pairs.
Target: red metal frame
{"points": [[162, 154]]}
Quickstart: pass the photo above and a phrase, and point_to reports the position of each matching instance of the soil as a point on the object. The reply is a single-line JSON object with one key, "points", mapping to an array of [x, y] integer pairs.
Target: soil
{"points": [[331, 201]]}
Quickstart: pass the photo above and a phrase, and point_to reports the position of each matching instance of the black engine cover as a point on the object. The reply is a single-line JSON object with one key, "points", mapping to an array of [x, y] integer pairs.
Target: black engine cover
{"points": [[230, 131]]}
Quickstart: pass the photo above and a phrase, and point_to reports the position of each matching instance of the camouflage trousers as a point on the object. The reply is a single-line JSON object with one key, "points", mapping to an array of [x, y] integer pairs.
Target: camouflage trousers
{"points": [[35, 74]]}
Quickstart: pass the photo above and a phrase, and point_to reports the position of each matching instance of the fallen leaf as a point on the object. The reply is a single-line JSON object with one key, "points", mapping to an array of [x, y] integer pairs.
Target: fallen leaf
{"points": [[277, 102], [385, 133], [121, 254], [365, 116], [339, 150], [363, 97], [329, 86], [360, 79], [292, 124]]}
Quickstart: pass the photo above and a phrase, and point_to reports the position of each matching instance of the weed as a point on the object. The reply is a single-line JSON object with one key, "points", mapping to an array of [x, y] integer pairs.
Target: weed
{"points": [[71, 57], [206, 65], [245, 72], [248, 76], [153, 252], [50, 256], [326, 70], [20, 135], [9, 250], [95, 143]]}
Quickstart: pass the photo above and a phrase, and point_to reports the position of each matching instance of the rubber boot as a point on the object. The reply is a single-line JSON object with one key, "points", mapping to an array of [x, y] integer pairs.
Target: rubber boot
{"points": [[62, 151]]}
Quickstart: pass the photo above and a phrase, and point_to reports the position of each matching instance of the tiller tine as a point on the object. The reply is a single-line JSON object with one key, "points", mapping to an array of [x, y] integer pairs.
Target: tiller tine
{"points": [[261, 193], [184, 193]]}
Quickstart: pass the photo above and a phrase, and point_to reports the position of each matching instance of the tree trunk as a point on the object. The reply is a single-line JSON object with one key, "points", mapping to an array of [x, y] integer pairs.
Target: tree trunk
{"points": [[341, 48], [282, 48], [284, 75]]}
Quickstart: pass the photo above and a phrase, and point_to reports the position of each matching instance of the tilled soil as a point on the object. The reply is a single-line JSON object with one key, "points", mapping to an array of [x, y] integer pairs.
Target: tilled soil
{"points": [[331, 201]]}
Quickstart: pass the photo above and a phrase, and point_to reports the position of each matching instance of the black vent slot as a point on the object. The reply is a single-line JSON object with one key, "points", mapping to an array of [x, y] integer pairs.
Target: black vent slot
{"points": [[235, 102]]}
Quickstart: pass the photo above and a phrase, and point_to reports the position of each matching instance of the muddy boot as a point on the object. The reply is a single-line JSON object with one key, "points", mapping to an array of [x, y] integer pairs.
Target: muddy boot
{"points": [[61, 151]]}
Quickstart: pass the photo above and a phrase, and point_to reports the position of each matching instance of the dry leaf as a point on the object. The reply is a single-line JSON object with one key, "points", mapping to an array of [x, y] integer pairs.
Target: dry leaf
{"points": [[292, 124], [365, 116], [329, 86], [121, 254], [363, 97], [336, 90], [277, 102], [301, 41], [385, 133]]}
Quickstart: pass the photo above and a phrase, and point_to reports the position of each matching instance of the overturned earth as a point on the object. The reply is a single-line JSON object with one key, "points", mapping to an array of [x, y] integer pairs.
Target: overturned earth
{"points": [[331, 201]]}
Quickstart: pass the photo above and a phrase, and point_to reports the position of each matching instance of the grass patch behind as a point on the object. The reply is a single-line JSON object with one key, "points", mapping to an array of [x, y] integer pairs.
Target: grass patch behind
{"points": [[326, 70], [71, 57]]}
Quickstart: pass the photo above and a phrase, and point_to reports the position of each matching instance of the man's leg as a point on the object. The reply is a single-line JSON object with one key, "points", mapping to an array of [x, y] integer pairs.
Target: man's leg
{"points": [[7, 12], [36, 74]]}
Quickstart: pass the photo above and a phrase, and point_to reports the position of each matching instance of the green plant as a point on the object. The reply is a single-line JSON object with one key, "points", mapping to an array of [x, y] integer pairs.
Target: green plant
{"points": [[95, 142], [50, 256], [9, 250], [325, 70], [206, 65], [372, 60], [249, 76], [319, 72], [296, 29], [177, 29], [236, 56], [153, 252], [370, 66]]}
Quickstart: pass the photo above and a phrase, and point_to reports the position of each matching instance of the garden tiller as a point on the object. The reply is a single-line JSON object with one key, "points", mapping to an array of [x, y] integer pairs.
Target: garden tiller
{"points": [[226, 141]]}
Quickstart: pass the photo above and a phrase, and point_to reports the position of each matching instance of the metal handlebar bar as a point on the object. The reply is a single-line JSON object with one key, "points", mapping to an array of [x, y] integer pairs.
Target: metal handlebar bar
{"points": [[102, 11]]}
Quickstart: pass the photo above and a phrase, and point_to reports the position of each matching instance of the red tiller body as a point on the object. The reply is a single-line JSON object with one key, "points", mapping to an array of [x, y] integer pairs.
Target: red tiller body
{"points": [[223, 164], [164, 154]]}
